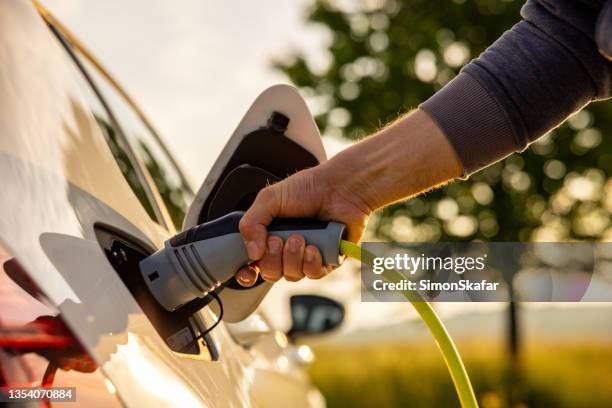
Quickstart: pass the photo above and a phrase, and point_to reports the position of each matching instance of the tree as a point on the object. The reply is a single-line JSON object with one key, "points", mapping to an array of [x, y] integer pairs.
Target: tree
{"points": [[388, 56]]}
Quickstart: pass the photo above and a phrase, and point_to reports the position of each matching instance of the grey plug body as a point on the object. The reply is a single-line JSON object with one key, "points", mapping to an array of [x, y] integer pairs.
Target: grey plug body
{"points": [[202, 259]]}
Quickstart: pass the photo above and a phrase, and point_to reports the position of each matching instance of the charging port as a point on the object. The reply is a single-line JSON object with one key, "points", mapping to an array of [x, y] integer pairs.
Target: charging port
{"points": [[179, 328]]}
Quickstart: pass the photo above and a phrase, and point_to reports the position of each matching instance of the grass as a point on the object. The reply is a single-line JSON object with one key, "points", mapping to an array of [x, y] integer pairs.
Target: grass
{"points": [[549, 374]]}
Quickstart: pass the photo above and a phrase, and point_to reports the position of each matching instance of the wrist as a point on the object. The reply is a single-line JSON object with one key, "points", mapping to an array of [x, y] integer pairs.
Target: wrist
{"points": [[346, 175]]}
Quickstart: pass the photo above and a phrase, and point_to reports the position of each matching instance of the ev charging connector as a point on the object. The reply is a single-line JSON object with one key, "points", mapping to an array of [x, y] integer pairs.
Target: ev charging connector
{"points": [[201, 259]]}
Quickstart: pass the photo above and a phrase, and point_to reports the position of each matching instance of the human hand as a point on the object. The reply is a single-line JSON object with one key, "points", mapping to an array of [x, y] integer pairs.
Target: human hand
{"points": [[406, 158], [315, 193]]}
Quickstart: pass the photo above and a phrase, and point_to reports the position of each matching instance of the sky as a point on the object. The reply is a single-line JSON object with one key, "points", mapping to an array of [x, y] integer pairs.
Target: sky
{"points": [[194, 69]]}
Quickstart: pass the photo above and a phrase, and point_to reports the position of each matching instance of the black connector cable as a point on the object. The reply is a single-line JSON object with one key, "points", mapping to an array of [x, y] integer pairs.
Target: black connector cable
{"points": [[211, 328]]}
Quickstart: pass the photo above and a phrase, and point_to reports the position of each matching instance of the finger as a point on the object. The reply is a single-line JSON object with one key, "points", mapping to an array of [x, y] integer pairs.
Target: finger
{"points": [[293, 254], [271, 265], [254, 222], [247, 276], [313, 263]]}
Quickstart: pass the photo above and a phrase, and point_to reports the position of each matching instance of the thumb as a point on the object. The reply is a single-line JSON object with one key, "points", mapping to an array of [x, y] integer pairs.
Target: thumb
{"points": [[254, 222]]}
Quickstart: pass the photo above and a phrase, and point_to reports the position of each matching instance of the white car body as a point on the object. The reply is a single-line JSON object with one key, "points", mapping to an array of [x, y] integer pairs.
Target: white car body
{"points": [[60, 180]]}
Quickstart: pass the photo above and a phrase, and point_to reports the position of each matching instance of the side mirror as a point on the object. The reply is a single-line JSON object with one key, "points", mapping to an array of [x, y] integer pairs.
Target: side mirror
{"points": [[313, 314]]}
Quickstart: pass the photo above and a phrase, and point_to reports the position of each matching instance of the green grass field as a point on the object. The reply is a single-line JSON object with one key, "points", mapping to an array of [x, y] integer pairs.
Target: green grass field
{"points": [[550, 374]]}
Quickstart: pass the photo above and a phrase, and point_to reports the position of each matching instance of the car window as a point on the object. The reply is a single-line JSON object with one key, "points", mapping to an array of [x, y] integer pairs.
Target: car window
{"points": [[116, 143], [165, 175]]}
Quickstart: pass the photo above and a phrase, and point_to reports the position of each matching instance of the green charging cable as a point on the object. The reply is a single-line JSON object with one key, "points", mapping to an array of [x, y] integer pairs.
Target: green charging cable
{"points": [[451, 356]]}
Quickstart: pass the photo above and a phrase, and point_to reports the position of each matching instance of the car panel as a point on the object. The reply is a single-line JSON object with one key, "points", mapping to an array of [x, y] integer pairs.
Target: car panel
{"points": [[60, 180]]}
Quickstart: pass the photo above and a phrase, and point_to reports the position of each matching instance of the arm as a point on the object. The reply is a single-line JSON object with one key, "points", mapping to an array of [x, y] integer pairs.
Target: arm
{"points": [[403, 159], [529, 81]]}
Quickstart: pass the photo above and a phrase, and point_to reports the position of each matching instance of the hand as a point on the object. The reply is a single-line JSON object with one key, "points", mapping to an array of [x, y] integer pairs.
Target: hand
{"points": [[309, 193], [406, 158]]}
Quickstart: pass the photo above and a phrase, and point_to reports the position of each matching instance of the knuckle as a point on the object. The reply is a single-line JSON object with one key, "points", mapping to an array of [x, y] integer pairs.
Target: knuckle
{"points": [[265, 194], [269, 271], [270, 277], [291, 270], [244, 225], [270, 262], [271, 267]]}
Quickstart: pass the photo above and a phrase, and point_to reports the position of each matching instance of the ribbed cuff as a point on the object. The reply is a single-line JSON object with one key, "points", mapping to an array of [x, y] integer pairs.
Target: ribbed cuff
{"points": [[473, 121]]}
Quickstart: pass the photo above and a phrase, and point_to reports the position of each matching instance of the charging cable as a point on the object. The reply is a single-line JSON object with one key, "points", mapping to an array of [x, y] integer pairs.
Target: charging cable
{"points": [[221, 245], [451, 356], [211, 328]]}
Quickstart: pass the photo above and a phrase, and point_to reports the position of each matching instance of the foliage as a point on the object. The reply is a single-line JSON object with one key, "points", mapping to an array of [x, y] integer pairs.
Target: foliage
{"points": [[388, 56]]}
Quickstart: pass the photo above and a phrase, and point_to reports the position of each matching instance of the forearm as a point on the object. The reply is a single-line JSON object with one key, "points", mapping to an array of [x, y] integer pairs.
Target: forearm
{"points": [[405, 158]]}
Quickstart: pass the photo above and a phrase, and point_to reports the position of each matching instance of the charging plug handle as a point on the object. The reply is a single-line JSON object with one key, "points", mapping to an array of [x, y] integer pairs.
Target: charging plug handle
{"points": [[202, 258]]}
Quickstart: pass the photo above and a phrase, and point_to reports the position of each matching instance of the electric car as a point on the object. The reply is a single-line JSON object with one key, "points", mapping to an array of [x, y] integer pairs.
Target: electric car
{"points": [[88, 191]]}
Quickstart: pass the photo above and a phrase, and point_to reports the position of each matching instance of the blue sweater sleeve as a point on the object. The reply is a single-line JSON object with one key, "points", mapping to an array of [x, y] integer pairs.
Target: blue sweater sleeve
{"points": [[530, 80]]}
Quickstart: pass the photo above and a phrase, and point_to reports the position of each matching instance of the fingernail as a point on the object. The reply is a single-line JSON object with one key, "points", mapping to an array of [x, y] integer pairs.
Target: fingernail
{"points": [[252, 249], [243, 279], [274, 246], [294, 245], [309, 256]]}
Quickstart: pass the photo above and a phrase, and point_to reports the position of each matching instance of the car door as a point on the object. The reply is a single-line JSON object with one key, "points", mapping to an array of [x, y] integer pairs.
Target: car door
{"points": [[82, 207], [276, 137], [260, 151], [76, 218]]}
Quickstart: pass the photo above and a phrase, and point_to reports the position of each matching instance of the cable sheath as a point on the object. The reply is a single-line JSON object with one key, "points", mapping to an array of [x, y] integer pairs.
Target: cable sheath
{"points": [[449, 351]]}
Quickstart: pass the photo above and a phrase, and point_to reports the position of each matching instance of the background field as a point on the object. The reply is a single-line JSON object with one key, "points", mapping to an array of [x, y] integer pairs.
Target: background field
{"points": [[550, 374]]}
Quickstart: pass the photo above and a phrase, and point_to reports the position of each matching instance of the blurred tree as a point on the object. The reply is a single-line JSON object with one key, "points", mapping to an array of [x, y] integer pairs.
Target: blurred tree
{"points": [[385, 57]]}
